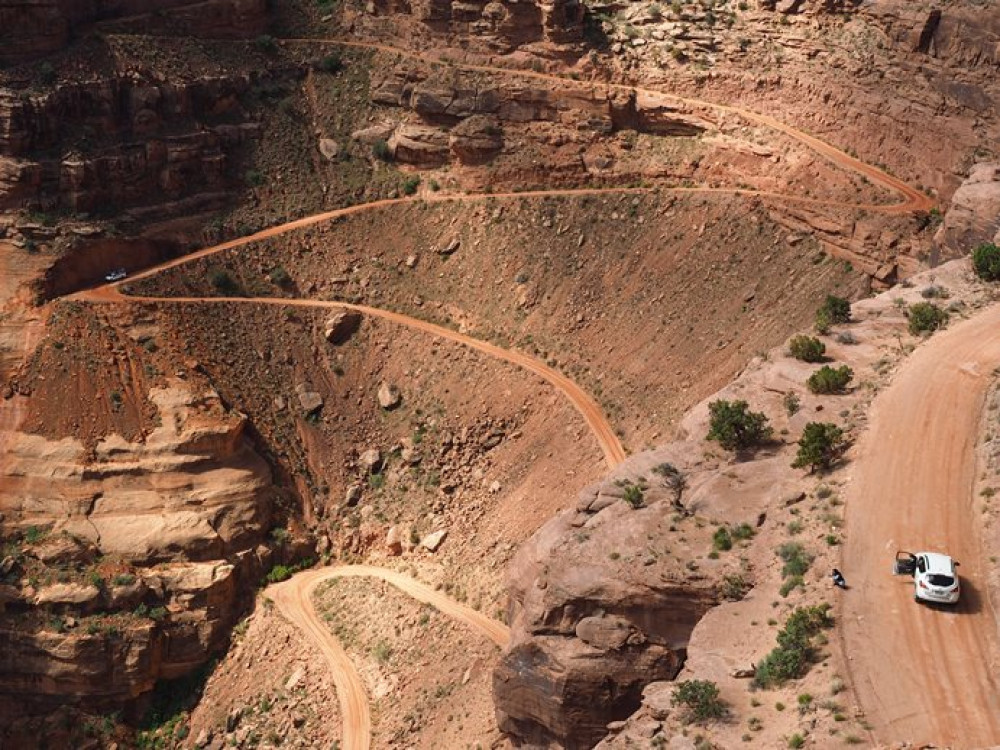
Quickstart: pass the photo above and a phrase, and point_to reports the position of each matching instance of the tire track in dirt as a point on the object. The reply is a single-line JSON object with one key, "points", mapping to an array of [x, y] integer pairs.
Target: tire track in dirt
{"points": [[926, 675], [294, 599]]}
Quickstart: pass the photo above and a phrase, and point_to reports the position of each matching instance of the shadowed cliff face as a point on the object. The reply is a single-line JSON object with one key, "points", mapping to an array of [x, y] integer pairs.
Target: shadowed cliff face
{"points": [[34, 28]]}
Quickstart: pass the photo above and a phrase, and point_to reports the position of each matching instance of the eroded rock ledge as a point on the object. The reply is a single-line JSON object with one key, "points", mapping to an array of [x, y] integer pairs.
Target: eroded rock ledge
{"points": [[598, 610]]}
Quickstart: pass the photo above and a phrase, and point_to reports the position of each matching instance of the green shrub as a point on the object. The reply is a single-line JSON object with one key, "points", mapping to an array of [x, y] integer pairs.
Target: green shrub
{"points": [[742, 531], [266, 43], [790, 584], [699, 700], [986, 262], [796, 741], [734, 587], [381, 150], [410, 185], [821, 444], [837, 309], [279, 573], [807, 349], [382, 651], [735, 427], [925, 317], [830, 379], [634, 495], [280, 535], [34, 534], [795, 650], [331, 64], [792, 403], [797, 560], [722, 540], [280, 277], [253, 177], [223, 282], [47, 74], [123, 579]]}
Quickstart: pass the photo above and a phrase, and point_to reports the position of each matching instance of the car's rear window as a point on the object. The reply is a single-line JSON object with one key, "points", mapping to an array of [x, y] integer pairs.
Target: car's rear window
{"points": [[936, 579]]}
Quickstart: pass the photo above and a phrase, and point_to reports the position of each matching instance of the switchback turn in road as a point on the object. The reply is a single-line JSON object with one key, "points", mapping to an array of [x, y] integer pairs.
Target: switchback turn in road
{"points": [[294, 596], [611, 446], [927, 675], [294, 599]]}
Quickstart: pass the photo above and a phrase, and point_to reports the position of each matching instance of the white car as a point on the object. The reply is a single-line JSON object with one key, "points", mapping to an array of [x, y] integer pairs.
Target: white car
{"points": [[934, 576], [116, 275]]}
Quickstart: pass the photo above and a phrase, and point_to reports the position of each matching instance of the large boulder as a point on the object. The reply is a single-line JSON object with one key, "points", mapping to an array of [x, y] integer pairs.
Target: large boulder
{"points": [[420, 145], [340, 326]]}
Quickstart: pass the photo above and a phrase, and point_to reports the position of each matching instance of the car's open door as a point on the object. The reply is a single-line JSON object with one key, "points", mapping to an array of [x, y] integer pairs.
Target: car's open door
{"points": [[905, 564]]}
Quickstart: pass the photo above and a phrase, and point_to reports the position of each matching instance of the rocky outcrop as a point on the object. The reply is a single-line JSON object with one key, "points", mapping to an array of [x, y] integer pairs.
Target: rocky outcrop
{"points": [[589, 631], [462, 118], [962, 36], [420, 145], [107, 661], [132, 560], [809, 6], [38, 27], [476, 140], [974, 215], [496, 25], [194, 489]]}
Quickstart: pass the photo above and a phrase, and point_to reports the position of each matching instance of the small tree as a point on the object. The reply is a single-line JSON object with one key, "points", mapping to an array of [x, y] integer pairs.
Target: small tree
{"points": [[699, 700], [925, 317], [821, 444], [735, 427], [674, 481], [807, 349], [986, 261], [830, 379]]}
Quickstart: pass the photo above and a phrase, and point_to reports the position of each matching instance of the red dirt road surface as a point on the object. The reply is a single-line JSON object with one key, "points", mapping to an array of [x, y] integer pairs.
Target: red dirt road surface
{"points": [[923, 674], [294, 599]]}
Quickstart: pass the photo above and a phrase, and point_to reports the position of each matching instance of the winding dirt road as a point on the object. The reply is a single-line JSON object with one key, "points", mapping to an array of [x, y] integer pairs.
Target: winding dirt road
{"points": [[927, 675], [294, 599], [610, 445], [868, 616]]}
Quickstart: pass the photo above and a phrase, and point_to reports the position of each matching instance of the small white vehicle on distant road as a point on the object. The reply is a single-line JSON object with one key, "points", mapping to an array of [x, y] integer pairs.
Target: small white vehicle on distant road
{"points": [[116, 275], [935, 579]]}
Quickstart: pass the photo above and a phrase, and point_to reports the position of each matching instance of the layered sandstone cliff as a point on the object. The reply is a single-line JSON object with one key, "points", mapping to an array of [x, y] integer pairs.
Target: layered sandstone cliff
{"points": [[599, 609], [129, 562]]}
